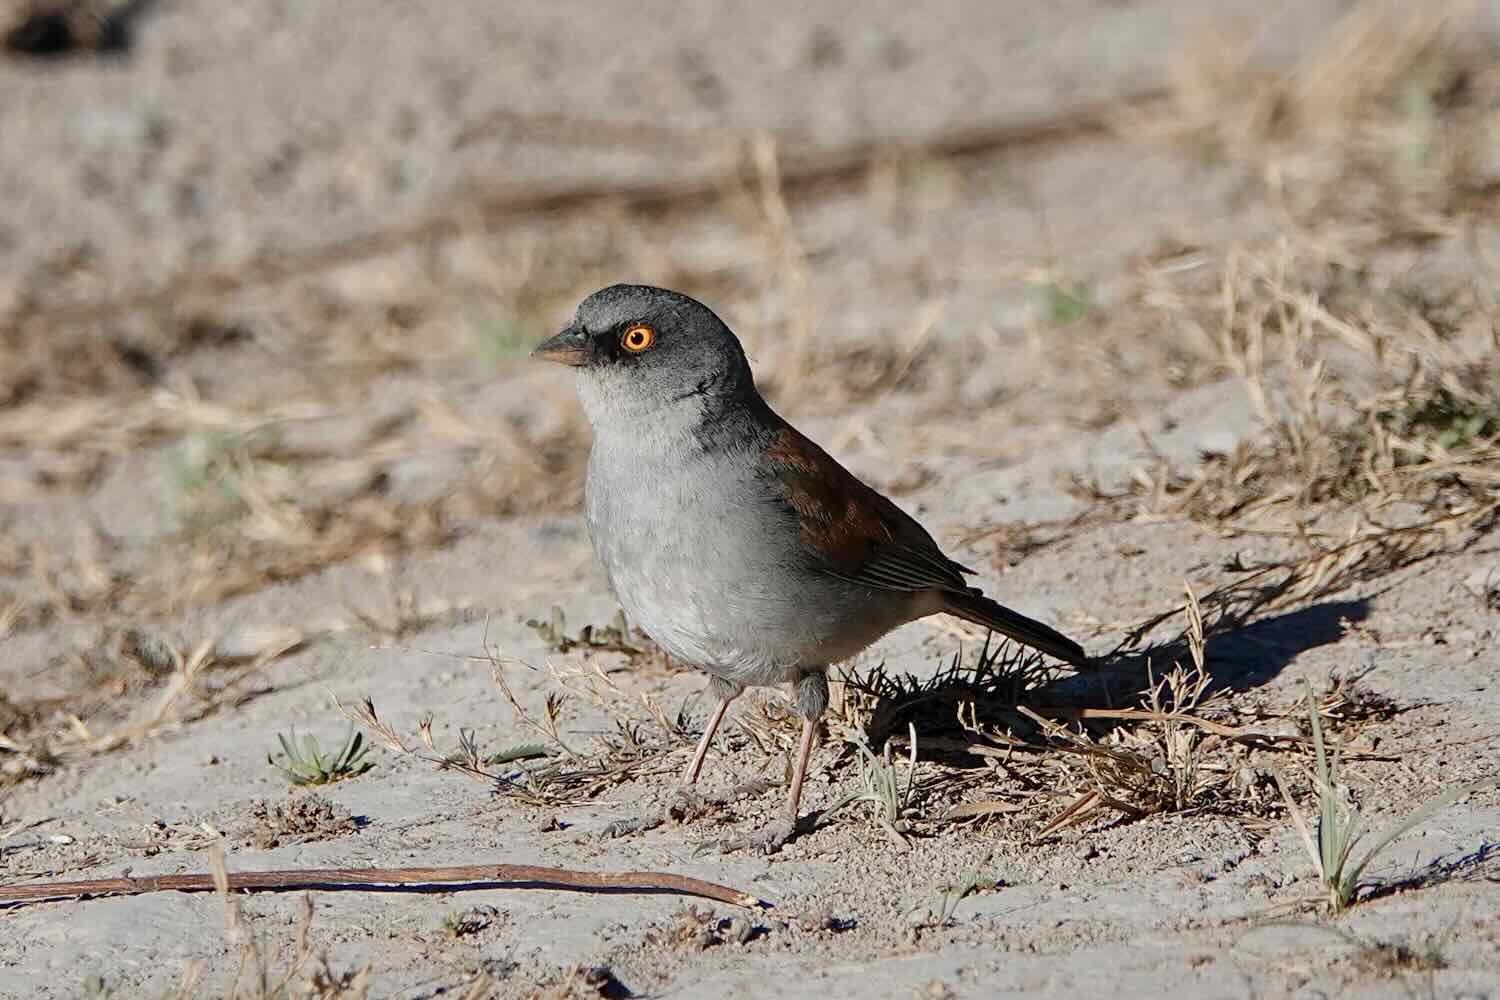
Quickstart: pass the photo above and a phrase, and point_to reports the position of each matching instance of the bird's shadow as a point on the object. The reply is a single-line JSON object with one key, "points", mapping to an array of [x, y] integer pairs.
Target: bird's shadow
{"points": [[1242, 650], [1238, 655]]}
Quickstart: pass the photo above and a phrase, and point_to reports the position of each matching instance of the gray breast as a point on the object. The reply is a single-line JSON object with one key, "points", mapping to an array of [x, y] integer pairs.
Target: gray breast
{"points": [[707, 561]]}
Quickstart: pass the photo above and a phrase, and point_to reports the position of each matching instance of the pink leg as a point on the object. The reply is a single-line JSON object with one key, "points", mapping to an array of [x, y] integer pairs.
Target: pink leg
{"points": [[690, 776], [809, 730]]}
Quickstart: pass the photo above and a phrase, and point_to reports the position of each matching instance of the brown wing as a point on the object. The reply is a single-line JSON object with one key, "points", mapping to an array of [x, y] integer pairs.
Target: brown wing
{"points": [[852, 531]]}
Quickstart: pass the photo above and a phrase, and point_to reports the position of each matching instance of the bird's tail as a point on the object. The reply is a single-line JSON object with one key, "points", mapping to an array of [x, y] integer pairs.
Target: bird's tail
{"points": [[975, 607]]}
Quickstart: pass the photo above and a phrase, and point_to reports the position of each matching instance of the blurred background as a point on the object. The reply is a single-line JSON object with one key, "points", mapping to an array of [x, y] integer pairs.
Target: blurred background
{"points": [[269, 271]]}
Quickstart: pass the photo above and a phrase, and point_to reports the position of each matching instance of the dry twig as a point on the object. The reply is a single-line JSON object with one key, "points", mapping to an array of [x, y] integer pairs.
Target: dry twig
{"points": [[447, 879]]}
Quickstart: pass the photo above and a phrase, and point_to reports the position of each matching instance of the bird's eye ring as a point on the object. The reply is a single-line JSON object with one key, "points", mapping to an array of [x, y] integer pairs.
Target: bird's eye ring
{"points": [[638, 338]]}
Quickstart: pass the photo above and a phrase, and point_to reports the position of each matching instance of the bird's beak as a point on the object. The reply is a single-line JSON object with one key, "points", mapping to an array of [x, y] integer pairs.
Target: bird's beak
{"points": [[570, 347]]}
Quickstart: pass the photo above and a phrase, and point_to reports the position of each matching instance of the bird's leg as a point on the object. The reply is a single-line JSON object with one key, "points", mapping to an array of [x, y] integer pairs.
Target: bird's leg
{"points": [[726, 691], [685, 803], [811, 696], [809, 730]]}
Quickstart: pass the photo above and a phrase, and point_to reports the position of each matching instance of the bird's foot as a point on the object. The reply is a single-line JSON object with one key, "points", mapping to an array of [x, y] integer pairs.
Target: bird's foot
{"points": [[688, 804], [768, 841], [631, 825], [684, 806]]}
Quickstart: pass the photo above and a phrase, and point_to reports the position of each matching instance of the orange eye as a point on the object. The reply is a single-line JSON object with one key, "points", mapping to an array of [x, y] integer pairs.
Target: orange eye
{"points": [[638, 338]]}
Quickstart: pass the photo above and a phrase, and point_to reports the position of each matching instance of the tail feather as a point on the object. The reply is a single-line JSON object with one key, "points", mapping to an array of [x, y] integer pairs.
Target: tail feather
{"points": [[980, 610]]}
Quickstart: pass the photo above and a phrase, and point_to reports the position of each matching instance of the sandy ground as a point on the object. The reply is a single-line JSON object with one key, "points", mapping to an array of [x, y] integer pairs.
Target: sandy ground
{"points": [[408, 502]]}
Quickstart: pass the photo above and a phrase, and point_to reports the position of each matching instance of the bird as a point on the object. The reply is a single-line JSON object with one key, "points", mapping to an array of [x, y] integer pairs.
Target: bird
{"points": [[735, 542]]}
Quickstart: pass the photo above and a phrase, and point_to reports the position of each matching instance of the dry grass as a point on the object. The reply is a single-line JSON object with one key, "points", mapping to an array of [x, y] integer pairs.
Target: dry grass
{"points": [[996, 742], [992, 738], [260, 971], [248, 522], [1365, 399], [140, 686], [554, 770], [1380, 434], [1379, 125], [256, 978], [1379, 405]]}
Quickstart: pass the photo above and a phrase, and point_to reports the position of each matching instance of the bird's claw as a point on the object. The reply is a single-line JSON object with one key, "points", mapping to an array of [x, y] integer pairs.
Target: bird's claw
{"points": [[770, 840], [687, 804], [683, 806], [631, 825]]}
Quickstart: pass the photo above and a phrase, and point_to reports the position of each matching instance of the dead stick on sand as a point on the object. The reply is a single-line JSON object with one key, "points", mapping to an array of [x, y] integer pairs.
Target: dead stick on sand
{"points": [[381, 879]]}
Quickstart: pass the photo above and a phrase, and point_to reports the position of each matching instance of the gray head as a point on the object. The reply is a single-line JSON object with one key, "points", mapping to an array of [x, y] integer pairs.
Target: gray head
{"points": [[642, 350]]}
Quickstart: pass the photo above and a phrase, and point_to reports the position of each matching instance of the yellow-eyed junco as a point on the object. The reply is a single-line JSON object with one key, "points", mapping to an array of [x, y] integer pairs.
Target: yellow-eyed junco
{"points": [[735, 542]]}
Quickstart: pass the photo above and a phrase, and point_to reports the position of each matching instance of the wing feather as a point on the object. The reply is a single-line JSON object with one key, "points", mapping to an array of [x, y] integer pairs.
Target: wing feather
{"points": [[851, 531]]}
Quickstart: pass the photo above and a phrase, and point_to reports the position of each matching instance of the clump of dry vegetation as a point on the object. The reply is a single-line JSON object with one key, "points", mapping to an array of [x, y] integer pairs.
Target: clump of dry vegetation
{"points": [[179, 685], [1382, 128], [553, 769], [583, 982], [297, 821], [999, 736], [1364, 402], [1378, 384], [470, 922], [1380, 439]]}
